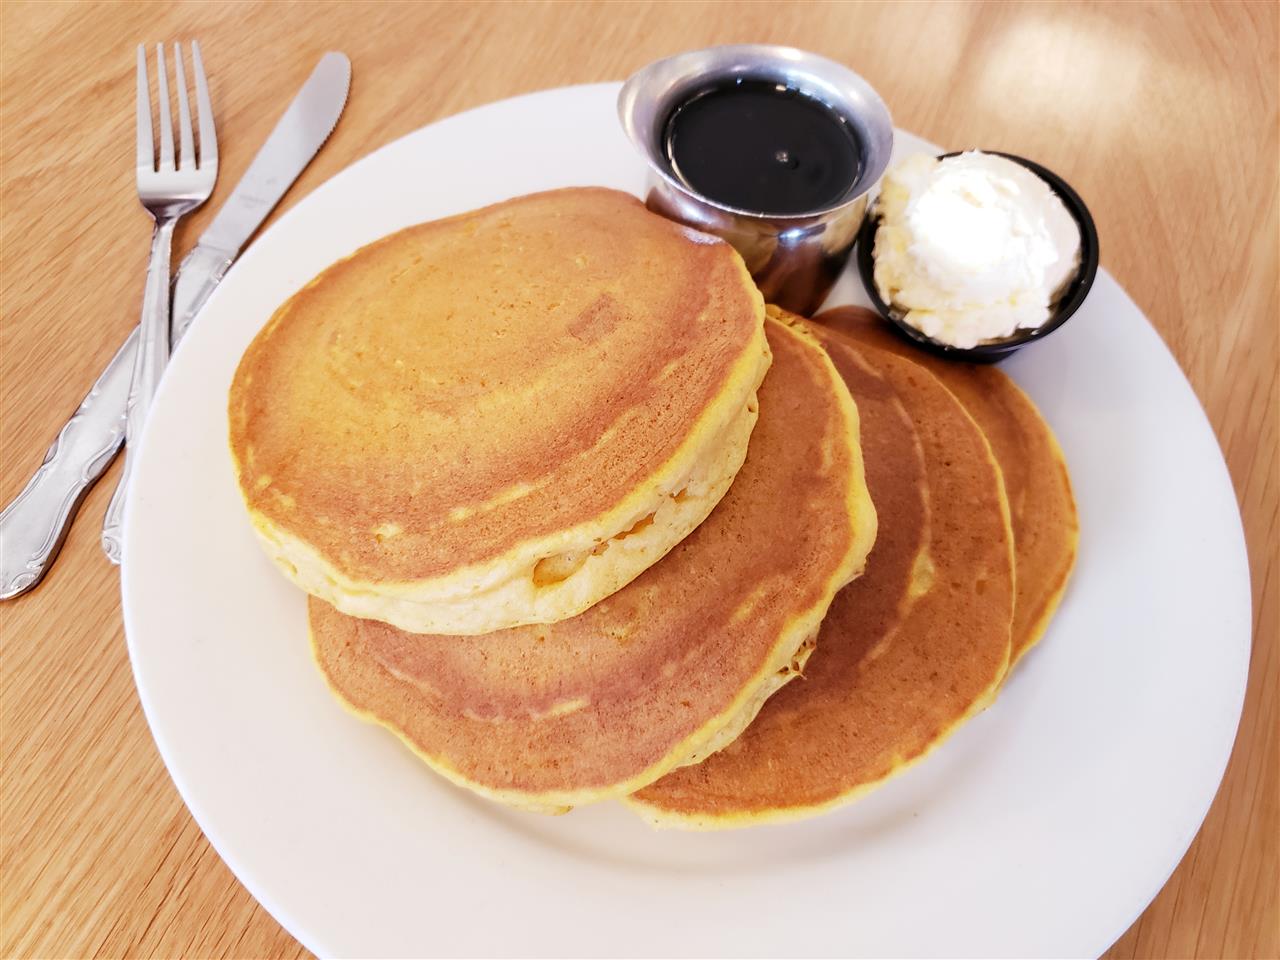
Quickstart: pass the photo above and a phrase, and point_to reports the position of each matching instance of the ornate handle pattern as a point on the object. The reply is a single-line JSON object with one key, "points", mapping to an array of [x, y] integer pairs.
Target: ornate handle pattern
{"points": [[149, 363], [34, 525]]}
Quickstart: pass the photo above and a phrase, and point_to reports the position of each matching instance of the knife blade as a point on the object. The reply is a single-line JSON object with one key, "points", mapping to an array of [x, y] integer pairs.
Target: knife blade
{"points": [[298, 135], [34, 525]]}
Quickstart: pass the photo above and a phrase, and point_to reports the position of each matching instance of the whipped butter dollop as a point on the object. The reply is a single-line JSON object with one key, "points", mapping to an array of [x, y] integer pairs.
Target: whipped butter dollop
{"points": [[973, 247]]}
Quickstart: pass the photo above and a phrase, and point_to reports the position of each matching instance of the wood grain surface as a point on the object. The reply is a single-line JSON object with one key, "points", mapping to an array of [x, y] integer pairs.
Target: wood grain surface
{"points": [[1164, 116]]}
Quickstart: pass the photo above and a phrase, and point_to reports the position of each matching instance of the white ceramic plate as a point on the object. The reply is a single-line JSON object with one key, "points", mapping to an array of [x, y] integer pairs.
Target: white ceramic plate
{"points": [[1043, 828]]}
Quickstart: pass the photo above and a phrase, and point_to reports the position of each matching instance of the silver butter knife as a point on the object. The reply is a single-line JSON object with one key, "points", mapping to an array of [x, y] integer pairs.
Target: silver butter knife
{"points": [[34, 525]]}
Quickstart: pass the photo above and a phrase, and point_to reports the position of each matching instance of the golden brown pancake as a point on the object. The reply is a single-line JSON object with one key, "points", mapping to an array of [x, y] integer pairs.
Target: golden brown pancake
{"points": [[501, 417], [908, 651], [1046, 530], [668, 669]]}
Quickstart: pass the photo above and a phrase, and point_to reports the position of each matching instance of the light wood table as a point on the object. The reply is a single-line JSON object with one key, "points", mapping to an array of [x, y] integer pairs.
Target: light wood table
{"points": [[1163, 116]]}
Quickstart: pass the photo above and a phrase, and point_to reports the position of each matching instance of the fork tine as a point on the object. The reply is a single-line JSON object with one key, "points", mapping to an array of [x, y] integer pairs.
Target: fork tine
{"points": [[146, 145], [208, 139], [166, 113], [186, 151]]}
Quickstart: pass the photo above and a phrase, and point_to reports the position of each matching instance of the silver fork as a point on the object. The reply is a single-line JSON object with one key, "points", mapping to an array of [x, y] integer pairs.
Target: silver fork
{"points": [[168, 192]]}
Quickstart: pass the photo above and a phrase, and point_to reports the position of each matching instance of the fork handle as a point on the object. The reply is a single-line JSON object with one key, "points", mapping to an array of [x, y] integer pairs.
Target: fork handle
{"points": [[34, 525], [148, 367]]}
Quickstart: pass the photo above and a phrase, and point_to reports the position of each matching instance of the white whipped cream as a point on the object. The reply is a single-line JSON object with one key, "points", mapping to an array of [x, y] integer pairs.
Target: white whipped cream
{"points": [[973, 247]]}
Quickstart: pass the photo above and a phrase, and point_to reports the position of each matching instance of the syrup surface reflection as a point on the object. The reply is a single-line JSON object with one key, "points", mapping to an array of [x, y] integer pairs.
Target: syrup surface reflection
{"points": [[772, 148], [763, 146]]}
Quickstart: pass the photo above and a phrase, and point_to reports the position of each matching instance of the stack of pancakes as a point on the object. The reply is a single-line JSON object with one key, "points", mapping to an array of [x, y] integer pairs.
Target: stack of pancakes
{"points": [[573, 513]]}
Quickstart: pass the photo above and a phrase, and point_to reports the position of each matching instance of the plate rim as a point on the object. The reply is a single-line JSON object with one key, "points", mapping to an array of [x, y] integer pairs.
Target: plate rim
{"points": [[168, 751]]}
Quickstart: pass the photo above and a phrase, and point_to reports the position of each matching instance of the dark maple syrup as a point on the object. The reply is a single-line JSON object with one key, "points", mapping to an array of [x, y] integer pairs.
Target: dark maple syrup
{"points": [[764, 147]]}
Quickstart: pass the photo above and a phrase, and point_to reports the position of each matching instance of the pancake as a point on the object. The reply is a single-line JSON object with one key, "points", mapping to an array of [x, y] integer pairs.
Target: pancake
{"points": [[667, 670], [1046, 530], [908, 651], [502, 417]]}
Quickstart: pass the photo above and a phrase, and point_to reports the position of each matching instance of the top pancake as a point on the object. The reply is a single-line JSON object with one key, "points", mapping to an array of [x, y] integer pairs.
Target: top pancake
{"points": [[1046, 530], [448, 429], [668, 669], [908, 650]]}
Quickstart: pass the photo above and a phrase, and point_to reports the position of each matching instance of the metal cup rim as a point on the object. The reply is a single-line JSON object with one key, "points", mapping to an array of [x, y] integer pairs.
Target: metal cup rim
{"points": [[660, 83]]}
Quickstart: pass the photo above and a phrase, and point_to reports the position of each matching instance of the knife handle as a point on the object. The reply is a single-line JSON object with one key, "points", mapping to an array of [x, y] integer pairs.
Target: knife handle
{"points": [[34, 525], [150, 359], [200, 271]]}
